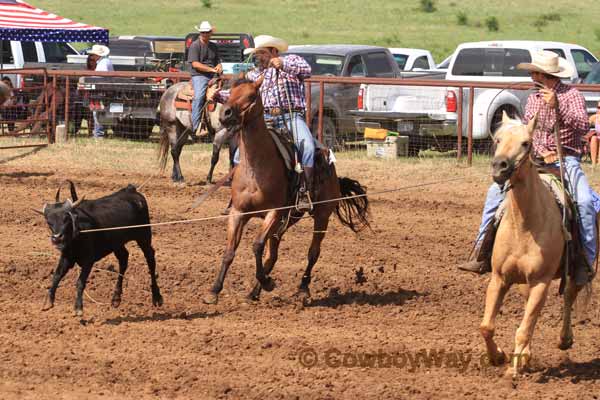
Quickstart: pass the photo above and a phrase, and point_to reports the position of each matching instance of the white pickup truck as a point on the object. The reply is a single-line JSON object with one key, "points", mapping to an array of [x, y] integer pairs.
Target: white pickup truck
{"points": [[431, 111], [16, 54]]}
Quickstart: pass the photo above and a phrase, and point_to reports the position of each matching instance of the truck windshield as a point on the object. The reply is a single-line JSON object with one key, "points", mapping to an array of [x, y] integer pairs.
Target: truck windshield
{"points": [[594, 75], [490, 62], [401, 60], [324, 64], [57, 52]]}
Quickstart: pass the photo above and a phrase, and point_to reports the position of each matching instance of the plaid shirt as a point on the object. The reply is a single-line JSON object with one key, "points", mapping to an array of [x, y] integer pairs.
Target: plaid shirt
{"points": [[273, 91], [572, 117]]}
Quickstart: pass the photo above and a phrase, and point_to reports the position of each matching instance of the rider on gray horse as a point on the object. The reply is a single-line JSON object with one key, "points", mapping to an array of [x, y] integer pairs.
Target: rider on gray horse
{"points": [[205, 63]]}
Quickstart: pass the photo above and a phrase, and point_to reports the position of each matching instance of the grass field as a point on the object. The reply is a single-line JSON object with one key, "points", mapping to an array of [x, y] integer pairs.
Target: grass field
{"points": [[390, 23]]}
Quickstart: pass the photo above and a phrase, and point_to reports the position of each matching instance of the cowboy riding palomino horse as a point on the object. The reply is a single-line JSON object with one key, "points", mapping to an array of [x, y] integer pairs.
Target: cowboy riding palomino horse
{"points": [[529, 245], [176, 123], [261, 182]]}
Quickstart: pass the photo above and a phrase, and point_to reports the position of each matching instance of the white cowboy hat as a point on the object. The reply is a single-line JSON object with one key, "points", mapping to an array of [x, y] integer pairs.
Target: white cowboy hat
{"points": [[204, 26], [264, 41], [99, 50], [548, 62]]}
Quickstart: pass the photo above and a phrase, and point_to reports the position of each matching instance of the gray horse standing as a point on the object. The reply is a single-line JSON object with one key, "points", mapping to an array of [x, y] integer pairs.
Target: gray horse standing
{"points": [[175, 125]]}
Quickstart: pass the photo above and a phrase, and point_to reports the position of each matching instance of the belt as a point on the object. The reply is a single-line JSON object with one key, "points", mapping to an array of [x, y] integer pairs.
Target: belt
{"points": [[276, 111]]}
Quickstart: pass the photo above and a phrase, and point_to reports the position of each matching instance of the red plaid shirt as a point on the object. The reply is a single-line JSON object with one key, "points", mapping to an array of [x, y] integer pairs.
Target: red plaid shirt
{"points": [[573, 120]]}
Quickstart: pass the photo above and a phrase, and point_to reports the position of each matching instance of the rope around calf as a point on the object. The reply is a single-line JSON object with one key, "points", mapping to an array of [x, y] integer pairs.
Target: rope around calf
{"points": [[192, 220]]}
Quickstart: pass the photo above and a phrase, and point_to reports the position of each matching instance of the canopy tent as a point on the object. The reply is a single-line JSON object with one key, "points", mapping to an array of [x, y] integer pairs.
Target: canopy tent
{"points": [[23, 22]]}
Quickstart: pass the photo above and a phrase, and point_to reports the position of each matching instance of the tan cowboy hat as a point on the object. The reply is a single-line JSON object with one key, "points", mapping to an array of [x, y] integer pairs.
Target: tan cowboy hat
{"points": [[204, 26], [548, 62], [99, 50], [264, 41]]}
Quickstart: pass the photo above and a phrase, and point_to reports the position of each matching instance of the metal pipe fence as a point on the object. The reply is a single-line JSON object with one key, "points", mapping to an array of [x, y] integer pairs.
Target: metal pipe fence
{"points": [[125, 104]]}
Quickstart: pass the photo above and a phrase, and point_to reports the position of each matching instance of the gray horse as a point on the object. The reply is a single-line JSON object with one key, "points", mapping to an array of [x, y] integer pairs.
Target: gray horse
{"points": [[175, 125]]}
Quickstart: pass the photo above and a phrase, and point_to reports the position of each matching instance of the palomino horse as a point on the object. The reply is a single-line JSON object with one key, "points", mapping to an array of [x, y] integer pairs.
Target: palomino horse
{"points": [[260, 182], [529, 245], [175, 125]]}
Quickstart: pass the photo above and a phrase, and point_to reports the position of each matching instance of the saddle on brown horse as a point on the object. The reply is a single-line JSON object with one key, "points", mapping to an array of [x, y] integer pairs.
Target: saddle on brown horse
{"points": [[289, 153]]}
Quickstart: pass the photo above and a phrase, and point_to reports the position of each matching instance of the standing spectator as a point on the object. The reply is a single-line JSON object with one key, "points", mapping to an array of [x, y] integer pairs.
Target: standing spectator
{"points": [[98, 56], [205, 63], [593, 136]]}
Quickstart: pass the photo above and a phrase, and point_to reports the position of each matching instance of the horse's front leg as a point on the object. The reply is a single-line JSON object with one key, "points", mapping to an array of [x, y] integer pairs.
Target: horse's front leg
{"points": [[235, 229], [270, 224], [493, 301], [533, 308]]}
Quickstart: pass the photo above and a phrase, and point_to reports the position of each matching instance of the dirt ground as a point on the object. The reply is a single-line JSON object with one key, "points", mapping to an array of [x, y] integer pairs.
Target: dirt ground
{"points": [[383, 301]]}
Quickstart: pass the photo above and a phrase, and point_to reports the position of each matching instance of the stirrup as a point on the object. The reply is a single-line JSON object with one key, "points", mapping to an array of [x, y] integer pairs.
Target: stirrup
{"points": [[303, 201]]}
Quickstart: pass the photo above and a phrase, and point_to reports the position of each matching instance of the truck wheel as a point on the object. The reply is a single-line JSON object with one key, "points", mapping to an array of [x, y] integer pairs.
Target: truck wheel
{"points": [[329, 133], [497, 118]]}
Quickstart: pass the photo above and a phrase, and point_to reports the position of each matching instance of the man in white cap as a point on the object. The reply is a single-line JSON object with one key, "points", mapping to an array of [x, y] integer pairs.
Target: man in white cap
{"points": [[546, 70], [99, 56], [282, 94], [205, 63]]}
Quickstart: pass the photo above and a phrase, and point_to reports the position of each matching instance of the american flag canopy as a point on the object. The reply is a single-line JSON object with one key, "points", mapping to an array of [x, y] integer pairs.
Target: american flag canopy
{"points": [[23, 22]]}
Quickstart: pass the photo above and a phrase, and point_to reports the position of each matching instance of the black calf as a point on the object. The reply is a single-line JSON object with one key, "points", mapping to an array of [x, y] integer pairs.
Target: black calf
{"points": [[67, 219]]}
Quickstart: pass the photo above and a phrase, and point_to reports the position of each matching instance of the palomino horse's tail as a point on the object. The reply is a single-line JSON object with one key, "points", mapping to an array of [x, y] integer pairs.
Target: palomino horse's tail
{"points": [[354, 211], [163, 152]]}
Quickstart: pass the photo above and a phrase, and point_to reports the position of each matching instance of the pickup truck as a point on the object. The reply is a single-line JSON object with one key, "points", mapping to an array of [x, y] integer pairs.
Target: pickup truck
{"points": [[342, 60], [129, 105], [412, 59], [17, 54], [142, 53], [431, 111]]}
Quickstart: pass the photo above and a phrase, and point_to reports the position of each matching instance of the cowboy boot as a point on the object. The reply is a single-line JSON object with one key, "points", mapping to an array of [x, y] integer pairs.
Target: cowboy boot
{"points": [[477, 263], [480, 261], [306, 190]]}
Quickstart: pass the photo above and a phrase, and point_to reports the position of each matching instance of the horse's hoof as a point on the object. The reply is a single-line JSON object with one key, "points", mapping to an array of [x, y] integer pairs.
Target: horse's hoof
{"points": [[211, 298], [157, 301], [302, 296], [116, 302], [268, 285], [48, 305], [79, 313], [565, 344], [499, 359], [254, 295]]}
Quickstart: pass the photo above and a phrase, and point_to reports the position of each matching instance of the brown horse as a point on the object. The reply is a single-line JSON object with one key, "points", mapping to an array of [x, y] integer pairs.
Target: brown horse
{"points": [[529, 245], [175, 125], [260, 182]]}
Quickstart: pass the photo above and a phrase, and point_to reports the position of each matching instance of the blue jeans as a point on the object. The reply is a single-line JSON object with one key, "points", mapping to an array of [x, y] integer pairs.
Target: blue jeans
{"points": [[200, 83], [302, 136], [582, 193], [98, 128]]}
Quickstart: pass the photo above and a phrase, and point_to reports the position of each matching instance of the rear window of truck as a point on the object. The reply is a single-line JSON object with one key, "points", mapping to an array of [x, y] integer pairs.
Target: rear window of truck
{"points": [[490, 62], [378, 64]]}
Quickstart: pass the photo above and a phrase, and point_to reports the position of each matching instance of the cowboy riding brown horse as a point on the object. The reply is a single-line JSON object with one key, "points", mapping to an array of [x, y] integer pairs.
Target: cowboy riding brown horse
{"points": [[261, 182]]}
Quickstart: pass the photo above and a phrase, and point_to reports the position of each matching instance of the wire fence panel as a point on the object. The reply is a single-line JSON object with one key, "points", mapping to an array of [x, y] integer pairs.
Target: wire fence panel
{"points": [[422, 117]]}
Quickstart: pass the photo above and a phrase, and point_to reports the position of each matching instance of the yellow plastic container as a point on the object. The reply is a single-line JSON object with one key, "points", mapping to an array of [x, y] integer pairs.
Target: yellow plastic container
{"points": [[375, 134]]}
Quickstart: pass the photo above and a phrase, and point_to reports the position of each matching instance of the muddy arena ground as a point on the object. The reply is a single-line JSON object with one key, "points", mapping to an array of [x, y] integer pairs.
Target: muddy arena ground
{"points": [[382, 301]]}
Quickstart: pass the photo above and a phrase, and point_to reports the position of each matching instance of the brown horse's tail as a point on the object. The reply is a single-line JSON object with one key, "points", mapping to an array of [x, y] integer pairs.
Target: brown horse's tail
{"points": [[353, 211], [164, 148]]}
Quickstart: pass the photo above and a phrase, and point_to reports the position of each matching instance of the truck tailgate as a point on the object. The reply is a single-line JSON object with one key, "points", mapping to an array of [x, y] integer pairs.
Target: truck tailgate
{"points": [[419, 100]]}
